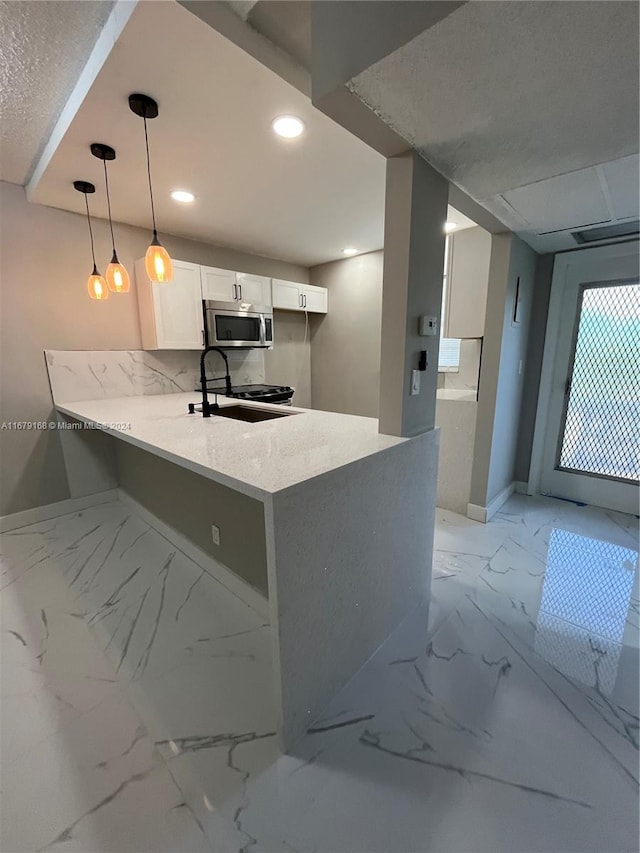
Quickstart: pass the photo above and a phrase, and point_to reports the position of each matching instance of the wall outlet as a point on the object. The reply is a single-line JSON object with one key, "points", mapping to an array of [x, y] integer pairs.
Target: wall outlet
{"points": [[428, 326], [215, 534], [415, 382]]}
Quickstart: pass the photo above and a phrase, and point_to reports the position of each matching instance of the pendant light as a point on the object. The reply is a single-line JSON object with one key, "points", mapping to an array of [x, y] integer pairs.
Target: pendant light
{"points": [[116, 274], [157, 262], [96, 285]]}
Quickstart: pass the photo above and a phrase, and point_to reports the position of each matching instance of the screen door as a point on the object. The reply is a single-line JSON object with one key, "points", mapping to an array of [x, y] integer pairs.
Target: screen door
{"points": [[592, 443]]}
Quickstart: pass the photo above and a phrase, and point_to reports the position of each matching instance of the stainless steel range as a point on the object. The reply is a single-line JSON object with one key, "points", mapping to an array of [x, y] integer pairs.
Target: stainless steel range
{"points": [[280, 394]]}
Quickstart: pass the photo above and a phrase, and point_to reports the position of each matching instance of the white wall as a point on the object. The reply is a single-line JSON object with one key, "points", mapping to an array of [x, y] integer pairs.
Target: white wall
{"points": [[44, 263], [289, 362], [457, 422], [345, 343]]}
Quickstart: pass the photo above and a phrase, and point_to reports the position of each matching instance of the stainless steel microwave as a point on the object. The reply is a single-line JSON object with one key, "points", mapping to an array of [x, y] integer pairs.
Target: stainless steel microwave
{"points": [[237, 324]]}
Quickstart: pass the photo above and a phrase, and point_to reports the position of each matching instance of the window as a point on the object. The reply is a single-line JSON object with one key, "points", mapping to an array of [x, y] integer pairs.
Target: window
{"points": [[449, 354]]}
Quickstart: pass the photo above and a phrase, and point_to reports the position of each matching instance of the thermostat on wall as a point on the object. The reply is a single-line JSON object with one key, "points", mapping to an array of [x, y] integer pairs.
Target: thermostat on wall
{"points": [[428, 325]]}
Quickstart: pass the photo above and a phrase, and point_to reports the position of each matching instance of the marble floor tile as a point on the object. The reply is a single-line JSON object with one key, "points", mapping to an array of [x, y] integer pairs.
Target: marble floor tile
{"points": [[474, 744], [503, 718], [111, 641]]}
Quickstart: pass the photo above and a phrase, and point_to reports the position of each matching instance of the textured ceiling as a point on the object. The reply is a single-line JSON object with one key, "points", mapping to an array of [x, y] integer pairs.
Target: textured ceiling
{"points": [[502, 96], [44, 48]]}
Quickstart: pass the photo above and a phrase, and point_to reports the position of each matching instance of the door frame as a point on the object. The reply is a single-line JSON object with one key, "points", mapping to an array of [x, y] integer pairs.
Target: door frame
{"points": [[594, 265]]}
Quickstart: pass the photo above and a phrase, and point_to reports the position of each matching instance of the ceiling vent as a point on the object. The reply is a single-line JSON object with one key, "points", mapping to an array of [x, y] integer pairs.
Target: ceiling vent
{"points": [[607, 232]]}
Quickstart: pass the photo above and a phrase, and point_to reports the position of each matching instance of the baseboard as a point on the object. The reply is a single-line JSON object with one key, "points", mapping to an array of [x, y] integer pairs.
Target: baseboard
{"points": [[43, 513], [225, 576], [521, 487], [477, 513], [486, 513]]}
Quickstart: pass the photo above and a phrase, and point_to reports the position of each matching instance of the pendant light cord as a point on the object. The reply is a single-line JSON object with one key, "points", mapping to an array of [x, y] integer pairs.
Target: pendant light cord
{"points": [[146, 142], [106, 183], [93, 254]]}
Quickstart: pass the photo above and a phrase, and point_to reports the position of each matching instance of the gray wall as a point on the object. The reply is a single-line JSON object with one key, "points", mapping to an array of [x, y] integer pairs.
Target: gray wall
{"points": [[44, 264], [503, 368], [415, 208], [289, 363], [345, 343], [191, 504], [535, 352]]}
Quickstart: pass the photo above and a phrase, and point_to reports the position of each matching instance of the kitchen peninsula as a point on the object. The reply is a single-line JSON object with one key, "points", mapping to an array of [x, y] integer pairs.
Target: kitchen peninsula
{"points": [[346, 514]]}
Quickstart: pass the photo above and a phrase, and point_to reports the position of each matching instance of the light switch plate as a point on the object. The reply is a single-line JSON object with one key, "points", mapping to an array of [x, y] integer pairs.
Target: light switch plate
{"points": [[415, 383]]}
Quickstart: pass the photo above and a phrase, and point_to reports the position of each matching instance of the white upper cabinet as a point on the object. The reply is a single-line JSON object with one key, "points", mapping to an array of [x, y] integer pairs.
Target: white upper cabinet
{"points": [[218, 284], [254, 288], [294, 296], [171, 313], [468, 283], [315, 298], [229, 286], [286, 294]]}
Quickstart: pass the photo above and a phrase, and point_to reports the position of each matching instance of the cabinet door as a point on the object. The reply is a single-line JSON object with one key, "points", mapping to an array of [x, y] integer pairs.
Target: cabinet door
{"points": [[218, 284], [468, 283], [254, 288], [315, 299], [286, 294], [178, 309]]}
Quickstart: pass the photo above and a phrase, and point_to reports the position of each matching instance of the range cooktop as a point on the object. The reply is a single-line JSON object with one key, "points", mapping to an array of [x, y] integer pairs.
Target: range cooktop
{"points": [[257, 390], [259, 393]]}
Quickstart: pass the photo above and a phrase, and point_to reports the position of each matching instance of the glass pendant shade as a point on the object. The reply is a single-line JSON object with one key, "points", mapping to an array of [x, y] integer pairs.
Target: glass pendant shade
{"points": [[157, 263], [117, 276], [97, 286]]}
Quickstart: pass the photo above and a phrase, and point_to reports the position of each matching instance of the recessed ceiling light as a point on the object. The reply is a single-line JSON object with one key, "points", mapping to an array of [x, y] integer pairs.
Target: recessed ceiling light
{"points": [[450, 226], [182, 195], [288, 126], [349, 251]]}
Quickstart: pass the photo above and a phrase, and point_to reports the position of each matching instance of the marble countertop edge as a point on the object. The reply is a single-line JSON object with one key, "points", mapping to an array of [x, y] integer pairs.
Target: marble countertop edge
{"points": [[258, 459]]}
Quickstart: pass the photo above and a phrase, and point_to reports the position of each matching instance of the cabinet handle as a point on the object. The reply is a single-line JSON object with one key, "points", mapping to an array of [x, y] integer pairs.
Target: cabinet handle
{"points": [[202, 333], [300, 300], [304, 300], [240, 289], [235, 292]]}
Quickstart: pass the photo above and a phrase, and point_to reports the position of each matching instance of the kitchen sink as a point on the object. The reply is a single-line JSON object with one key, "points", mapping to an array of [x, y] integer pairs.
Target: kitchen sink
{"points": [[249, 414]]}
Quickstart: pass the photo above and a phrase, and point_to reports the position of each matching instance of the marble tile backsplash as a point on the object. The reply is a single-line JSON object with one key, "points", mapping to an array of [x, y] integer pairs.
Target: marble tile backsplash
{"points": [[94, 374]]}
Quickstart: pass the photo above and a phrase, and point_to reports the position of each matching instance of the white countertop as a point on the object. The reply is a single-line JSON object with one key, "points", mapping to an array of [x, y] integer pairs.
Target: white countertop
{"points": [[257, 459], [461, 395]]}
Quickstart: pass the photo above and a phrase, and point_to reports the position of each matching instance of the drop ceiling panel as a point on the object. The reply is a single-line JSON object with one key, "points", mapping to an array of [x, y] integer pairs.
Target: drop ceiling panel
{"points": [[567, 201], [623, 181]]}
